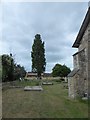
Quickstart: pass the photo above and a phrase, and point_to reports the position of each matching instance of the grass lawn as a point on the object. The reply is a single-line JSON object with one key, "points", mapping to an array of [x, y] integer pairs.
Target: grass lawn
{"points": [[52, 102]]}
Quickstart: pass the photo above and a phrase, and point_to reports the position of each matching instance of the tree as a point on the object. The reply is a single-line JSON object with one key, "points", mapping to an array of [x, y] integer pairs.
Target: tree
{"points": [[56, 70], [19, 72], [11, 71], [38, 56], [60, 70], [66, 70], [7, 67]]}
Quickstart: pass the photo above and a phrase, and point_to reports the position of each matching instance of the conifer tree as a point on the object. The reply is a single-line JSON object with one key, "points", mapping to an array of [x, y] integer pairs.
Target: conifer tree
{"points": [[38, 56]]}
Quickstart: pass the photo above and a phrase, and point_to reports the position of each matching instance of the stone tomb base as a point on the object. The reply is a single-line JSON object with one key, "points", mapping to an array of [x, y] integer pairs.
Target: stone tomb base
{"points": [[33, 88], [47, 83]]}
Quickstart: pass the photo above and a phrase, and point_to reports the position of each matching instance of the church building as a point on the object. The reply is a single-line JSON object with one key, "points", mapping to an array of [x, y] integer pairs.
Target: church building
{"points": [[79, 78]]}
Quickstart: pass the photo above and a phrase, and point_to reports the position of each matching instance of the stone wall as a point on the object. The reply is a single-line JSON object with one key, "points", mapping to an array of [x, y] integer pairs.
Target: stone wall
{"points": [[80, 78], [89, 60], [83, 63], [73, 86], [79, 84], [84, 41], [75, 61]]}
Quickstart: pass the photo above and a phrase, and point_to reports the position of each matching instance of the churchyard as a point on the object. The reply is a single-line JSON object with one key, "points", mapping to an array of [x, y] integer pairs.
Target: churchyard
{"points": [[51, 102]]}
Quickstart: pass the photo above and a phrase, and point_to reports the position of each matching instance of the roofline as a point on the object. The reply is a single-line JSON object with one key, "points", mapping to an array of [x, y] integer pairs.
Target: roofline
{"points": [[75, 54], [78, 52], [82, 29], [73, 72]]}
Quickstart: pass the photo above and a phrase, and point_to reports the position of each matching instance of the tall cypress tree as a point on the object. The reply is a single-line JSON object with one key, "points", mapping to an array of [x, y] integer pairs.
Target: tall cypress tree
{"points": [[38, 56]]}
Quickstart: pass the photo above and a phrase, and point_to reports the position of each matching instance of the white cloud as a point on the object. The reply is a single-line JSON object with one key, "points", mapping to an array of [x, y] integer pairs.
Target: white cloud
{"points": [[58, 24]]}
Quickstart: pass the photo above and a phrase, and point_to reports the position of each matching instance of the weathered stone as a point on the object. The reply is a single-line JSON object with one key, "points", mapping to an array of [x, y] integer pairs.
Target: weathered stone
{"points": [[79, 83], [84, 98], [33, 88], [47, 83]]}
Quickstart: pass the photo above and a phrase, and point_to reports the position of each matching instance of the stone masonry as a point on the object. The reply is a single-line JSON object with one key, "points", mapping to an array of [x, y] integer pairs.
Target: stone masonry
{"points": [[79, 78]]}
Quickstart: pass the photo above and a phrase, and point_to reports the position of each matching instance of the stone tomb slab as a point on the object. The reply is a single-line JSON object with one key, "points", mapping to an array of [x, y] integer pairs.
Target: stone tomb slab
{"points": [[33, 88], [47, 83]]}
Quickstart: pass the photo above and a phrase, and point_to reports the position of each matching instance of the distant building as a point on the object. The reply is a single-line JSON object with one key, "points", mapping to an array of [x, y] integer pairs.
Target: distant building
{"points": [[79, 78], [47, 75], [31, 74]]}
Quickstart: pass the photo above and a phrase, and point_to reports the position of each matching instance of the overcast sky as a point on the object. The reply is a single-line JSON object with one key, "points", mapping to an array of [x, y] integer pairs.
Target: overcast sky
{"points": [[57, 23]]}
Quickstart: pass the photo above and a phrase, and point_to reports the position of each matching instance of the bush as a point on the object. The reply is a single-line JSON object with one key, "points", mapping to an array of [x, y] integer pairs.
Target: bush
{"points": [[59, 80], [60, 70], [62, 79], [37, 84]]}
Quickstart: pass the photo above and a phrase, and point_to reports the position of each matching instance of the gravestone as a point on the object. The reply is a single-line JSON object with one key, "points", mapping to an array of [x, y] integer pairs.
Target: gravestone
{"points": [[33, 88], [47, 83]]}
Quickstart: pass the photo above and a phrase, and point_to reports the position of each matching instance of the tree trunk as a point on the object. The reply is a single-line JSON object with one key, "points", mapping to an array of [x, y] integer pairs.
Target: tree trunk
{"points": [[39, 75], [39, 78]]}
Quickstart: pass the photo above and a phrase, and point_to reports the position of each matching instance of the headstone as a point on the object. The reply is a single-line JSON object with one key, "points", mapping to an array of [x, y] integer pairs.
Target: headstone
{"points": [[20, 79], [66, 79], [84, 98], [47, 83], [33, 88]]}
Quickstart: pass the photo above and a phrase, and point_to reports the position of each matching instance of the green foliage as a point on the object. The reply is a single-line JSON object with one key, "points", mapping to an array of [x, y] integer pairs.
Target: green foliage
{"points": [[38, 56], [19, 72], [66, 70], [27, 83], [7, 68], [60, 70], [11, 71]]}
